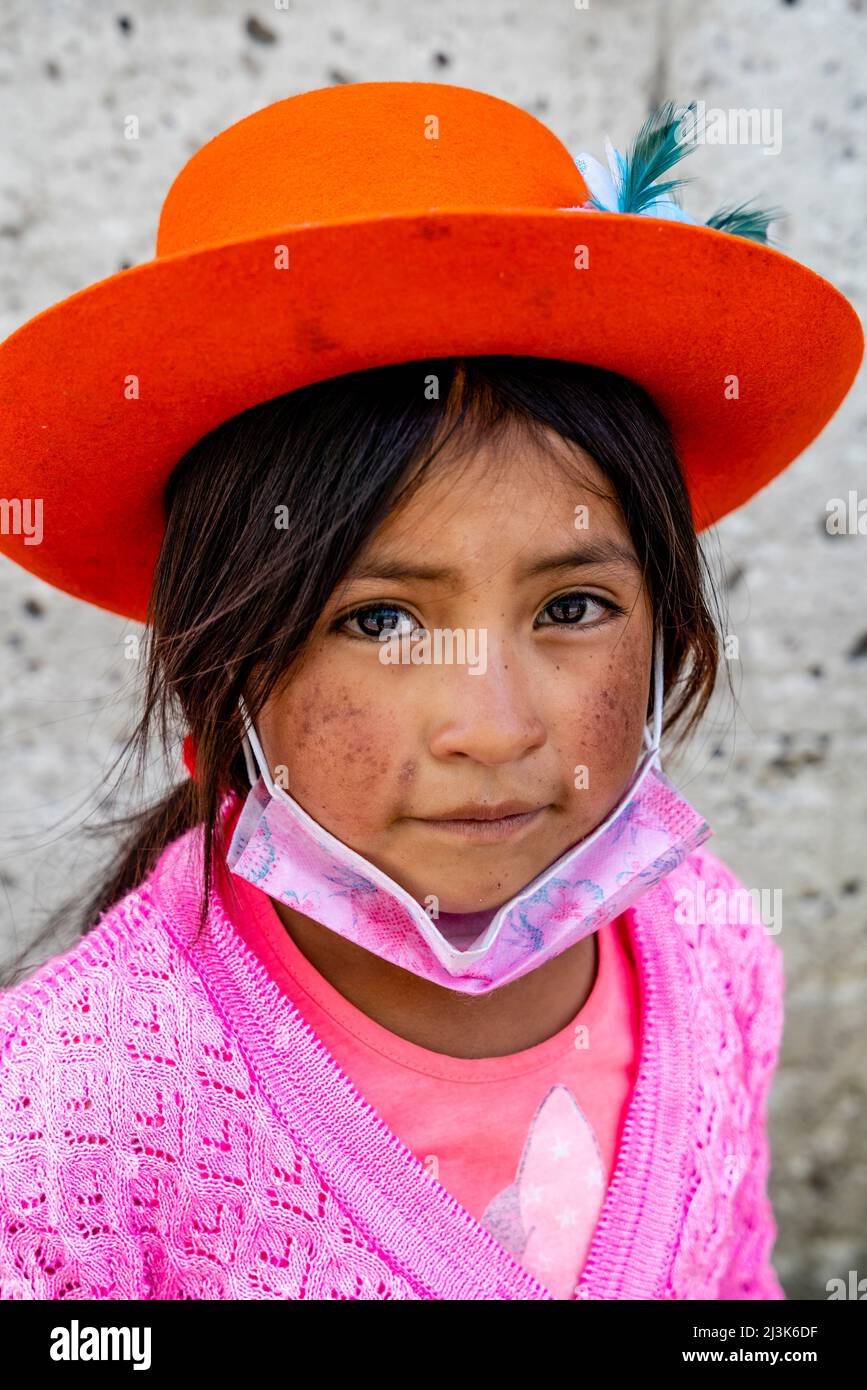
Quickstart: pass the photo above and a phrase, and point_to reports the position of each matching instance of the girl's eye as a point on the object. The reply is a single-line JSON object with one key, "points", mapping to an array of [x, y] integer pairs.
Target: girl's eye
{"points": [[570, 609], [374, 627]]}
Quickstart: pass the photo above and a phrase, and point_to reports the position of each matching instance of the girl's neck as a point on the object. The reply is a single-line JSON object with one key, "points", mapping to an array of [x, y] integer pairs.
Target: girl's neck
{"points": [[511, 1019]]}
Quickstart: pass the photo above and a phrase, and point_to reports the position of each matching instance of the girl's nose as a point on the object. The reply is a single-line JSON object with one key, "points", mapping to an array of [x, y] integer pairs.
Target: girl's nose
{"points": [[493, 716]]}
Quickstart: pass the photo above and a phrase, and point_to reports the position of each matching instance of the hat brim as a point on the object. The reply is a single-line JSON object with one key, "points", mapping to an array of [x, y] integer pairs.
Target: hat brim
{"points": [[683, 310]]}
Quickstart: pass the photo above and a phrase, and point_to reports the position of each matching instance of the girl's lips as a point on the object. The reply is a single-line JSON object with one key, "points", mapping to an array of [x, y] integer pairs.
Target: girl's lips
{"points": [[485, 831]]}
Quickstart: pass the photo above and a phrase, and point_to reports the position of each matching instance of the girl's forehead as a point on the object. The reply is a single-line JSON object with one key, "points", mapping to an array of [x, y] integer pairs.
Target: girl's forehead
{"points": [[503, 496], [514, 546]]}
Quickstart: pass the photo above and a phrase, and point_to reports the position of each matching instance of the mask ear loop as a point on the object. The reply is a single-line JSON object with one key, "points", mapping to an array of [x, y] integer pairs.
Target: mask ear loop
{"points": [[251, 737], [654, 740]]}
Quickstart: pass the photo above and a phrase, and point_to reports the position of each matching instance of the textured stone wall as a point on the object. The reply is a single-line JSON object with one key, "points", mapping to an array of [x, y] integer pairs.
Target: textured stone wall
{"points": [[780, 772]]}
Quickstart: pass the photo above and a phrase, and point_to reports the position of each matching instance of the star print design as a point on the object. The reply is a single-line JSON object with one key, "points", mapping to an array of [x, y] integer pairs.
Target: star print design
{"points": [[546, 1218]]}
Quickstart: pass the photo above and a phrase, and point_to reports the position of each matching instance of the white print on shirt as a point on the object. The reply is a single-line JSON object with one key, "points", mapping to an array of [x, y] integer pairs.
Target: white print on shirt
{"points": [[546, 1218]]}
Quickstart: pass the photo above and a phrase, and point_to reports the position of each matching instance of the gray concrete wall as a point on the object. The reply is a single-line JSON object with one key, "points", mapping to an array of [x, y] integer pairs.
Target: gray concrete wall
{"points": [[781, 775]]}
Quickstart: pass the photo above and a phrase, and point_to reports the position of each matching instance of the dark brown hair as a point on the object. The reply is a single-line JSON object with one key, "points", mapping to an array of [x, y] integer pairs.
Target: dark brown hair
{"points": [[235, 598]]}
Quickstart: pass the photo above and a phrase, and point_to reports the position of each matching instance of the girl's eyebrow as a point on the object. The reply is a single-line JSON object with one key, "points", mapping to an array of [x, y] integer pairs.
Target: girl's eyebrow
{"points": [[610, 553]]}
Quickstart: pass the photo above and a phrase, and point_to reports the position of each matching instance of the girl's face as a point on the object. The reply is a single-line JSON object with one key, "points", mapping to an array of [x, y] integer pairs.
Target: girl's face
{"points": [[557, 624]]}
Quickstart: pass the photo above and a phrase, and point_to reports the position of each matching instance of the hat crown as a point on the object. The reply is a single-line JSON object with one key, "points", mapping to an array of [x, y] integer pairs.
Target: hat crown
{"points": [[365, 149]]}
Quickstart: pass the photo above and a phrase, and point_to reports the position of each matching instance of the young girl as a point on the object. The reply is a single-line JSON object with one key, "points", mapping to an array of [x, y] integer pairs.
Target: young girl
{"points": [[424, 983]]}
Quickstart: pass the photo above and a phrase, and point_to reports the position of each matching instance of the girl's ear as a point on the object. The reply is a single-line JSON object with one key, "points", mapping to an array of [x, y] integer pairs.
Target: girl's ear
{"points": [[189, 754]]}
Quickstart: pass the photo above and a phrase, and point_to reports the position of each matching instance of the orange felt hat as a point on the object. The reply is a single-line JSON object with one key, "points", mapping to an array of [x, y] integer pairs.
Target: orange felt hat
{"points": [[380, 222]]}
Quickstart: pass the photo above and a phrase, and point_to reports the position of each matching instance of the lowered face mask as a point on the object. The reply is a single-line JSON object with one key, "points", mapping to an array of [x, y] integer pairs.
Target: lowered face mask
{"points": [[279, 848]]}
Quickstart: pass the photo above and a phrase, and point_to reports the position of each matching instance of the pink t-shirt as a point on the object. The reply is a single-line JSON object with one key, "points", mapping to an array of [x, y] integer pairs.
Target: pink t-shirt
{"points": [[526, 1142]]}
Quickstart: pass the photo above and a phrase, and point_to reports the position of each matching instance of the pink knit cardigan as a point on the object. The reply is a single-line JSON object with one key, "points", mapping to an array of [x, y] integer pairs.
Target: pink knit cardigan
{"points": [[170, 1128]]}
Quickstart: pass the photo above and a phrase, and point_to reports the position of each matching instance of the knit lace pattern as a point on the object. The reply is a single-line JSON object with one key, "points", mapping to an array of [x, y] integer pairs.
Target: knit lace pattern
{"points": [[171, 1128]]}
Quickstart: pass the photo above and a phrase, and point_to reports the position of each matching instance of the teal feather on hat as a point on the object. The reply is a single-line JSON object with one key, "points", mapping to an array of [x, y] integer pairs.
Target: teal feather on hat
{"points": [[631, 181]]}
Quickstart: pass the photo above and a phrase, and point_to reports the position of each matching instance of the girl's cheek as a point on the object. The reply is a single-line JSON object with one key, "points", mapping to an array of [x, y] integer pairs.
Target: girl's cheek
{"points": [[607, 743], [619, 724], [343, 759]]}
